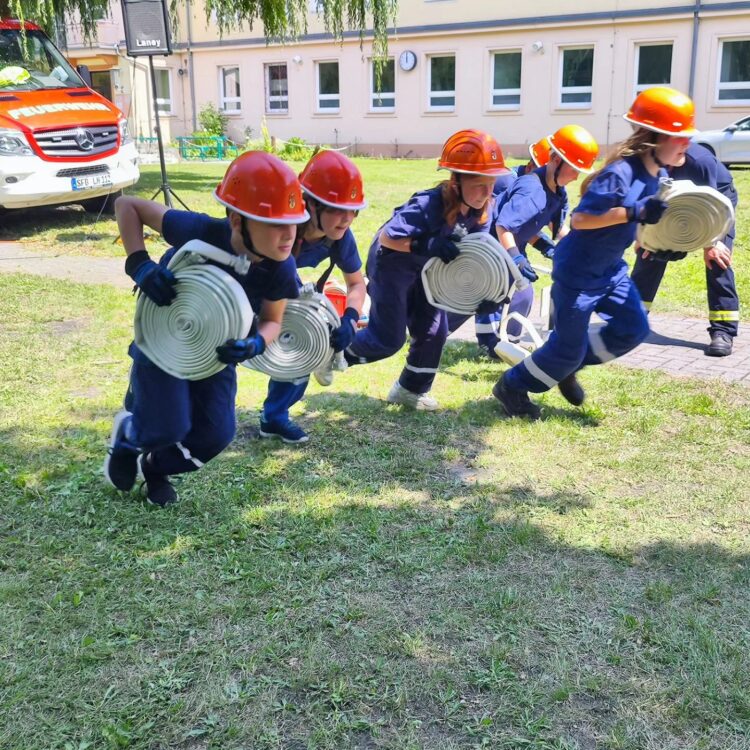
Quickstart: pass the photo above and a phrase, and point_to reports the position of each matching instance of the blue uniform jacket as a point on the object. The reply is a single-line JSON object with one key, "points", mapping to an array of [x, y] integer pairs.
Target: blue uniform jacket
{"points": [[592, 258], [529, 206]]}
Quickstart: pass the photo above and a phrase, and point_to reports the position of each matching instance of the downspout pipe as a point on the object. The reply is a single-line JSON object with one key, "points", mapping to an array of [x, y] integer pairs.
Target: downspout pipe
{"points": [[191, 67], [694, 49]]}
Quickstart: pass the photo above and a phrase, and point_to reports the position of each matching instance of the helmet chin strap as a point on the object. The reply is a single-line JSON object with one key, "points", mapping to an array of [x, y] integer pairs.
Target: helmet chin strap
{"points": [[457, 175], [248, 243], [659, 162]]}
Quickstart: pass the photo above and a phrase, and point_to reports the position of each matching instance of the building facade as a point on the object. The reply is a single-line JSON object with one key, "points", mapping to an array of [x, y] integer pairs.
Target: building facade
{"points": [[518, 71]]}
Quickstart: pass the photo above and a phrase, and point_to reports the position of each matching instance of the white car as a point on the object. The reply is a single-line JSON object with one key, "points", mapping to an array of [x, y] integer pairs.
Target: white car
{"points": [[730, 145]]}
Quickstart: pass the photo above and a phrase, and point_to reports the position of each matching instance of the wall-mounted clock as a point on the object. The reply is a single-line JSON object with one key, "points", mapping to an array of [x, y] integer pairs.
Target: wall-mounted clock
{"points": [[407, 60]]}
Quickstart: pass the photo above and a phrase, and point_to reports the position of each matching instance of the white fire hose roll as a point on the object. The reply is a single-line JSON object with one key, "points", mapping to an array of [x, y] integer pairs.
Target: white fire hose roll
{"points": [[304, 344], [210, 307], [482, 271], [697, 216]]}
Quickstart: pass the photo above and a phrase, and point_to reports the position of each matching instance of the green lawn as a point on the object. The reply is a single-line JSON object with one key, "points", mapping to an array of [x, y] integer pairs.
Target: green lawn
{"points": [[388, 183], [448, 580]]}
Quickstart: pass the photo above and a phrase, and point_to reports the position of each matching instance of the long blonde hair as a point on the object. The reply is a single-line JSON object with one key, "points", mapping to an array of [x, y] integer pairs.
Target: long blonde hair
{"points": [[452, 203], [639, 142]]}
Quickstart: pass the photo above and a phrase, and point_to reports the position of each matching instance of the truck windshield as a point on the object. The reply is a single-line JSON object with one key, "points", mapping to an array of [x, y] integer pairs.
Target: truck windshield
{"points": [[31, 62]]}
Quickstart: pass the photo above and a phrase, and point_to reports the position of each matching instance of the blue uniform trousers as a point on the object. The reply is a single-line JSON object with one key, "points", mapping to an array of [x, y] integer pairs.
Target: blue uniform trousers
{"points": [[721, 291], [572, 345], [181, 423], [398, 302], [281, 397]]}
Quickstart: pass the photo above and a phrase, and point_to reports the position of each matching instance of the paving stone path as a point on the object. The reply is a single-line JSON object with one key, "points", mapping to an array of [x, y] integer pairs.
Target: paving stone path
{"points": [[676, 345]]}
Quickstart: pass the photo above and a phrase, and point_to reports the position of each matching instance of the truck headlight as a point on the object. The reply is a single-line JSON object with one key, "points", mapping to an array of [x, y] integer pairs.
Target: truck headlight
{"points": [[14, 143], [124, 132]]}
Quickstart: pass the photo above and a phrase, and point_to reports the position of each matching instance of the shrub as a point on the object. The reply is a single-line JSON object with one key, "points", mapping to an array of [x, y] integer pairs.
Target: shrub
{"points": [[212, 121]]}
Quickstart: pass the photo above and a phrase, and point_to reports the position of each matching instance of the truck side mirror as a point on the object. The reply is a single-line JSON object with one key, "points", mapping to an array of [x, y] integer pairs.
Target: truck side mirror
{"points": [[85, 73]]}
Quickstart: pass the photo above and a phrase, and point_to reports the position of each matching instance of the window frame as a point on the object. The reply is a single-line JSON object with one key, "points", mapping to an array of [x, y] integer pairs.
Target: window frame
{"points": [[637, 88], [504, 92], [170, 100], [326, 97], [574, 89], [223, 98], [276, 97], [372, 109], [719, 86], [440, 107]]}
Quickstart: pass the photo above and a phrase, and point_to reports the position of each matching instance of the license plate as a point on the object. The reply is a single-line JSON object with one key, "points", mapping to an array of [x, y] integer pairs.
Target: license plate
{"points": [[91, 181]]}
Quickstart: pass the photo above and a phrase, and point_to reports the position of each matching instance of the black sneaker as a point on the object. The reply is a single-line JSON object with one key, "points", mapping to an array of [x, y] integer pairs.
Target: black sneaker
{"points": [[572, 390], [158, 489], [121, 464], [289, 432], [721, 344], [515, 403]]}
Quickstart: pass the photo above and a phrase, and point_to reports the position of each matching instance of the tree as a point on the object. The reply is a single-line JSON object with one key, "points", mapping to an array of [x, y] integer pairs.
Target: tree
{"points": [[282, 20]]}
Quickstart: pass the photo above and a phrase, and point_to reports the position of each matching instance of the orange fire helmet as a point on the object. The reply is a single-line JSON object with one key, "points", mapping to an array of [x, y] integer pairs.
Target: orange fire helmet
{"points": [[472, 152], [663, 110], [261, 187], [334, 180], [539, 152], [576, 146]]}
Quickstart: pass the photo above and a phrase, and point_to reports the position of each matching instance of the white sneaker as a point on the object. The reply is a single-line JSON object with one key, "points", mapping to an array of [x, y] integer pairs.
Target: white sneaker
{"points": [[324, 376], [419, 401]]}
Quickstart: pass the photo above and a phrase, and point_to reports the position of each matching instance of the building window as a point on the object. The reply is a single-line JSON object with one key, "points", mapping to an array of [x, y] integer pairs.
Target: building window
{"points": [[576, 77], [229, 90], [653, 66], [734, 72], [163, 91], [506, 80], [442, 83], [329, 99], [277, 89], [383, 94]]}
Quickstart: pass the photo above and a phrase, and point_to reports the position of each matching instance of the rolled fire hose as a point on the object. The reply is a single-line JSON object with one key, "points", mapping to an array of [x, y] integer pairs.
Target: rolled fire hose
{"points": [[482, 271], [210, 308], [697, 216], [304, 344]]}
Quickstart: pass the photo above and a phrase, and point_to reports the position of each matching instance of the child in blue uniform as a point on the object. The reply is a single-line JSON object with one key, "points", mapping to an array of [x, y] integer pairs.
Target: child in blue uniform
{"points": [[426, 226], [589, 272], [334, 194], [702, 168], [170, 425], [537, 199]]}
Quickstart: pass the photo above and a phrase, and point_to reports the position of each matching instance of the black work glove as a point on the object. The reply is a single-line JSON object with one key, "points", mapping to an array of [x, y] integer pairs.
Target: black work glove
{"points": [[545, 246], [343, 336], [665, 256], [488, 307], [155, 281], [435, 247], [647, 210], [234, 351]]}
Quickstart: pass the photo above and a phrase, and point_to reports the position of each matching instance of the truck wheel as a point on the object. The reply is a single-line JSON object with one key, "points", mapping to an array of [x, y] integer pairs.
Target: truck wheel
{"points": [[104, 204]]}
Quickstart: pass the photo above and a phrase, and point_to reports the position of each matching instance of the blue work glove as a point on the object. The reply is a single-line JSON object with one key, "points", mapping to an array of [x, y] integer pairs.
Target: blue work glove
{"points": [[665, 256], [343, 336], [647, 210], [488, 307], [234, 351], [524, 266], [545, 246], [155, 281], [435, 247]]}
